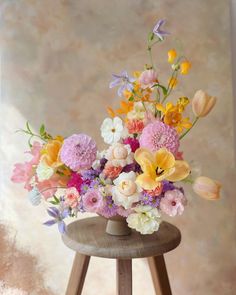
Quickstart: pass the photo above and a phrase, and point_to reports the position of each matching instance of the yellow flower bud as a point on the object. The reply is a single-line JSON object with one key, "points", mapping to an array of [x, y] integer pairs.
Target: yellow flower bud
{"points": [[185, 67], [171, 55], [207, 188], [202, 103]]}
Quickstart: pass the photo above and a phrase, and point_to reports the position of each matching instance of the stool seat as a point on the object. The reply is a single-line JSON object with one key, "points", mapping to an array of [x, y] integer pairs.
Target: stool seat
{"points": [[87, 236]]}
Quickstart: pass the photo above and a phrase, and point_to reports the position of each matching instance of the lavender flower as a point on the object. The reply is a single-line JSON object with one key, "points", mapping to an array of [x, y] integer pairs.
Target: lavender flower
{"points": [[152, 201], [124, 81], [110, 209], [157, 29], [167, 186], [58, 217], [89, 174]]}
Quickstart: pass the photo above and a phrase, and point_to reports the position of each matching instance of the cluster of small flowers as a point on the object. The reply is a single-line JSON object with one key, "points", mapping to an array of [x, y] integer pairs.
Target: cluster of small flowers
{"points": [[136, 176]]}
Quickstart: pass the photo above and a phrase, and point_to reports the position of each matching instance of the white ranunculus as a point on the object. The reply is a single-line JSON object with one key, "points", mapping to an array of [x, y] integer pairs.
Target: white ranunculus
{"points": [[44, 171], [112, 130], [145, 220], [125, 191], [119, 154]]}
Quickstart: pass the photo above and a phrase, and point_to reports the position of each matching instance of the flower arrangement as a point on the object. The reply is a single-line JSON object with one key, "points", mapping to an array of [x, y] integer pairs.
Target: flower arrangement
{"points": [[139, 175]]}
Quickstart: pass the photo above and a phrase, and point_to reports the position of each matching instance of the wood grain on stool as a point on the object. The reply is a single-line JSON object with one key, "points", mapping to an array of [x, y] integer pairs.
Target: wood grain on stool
{"points": [[159, 275], [124, 276], [78, 274]]}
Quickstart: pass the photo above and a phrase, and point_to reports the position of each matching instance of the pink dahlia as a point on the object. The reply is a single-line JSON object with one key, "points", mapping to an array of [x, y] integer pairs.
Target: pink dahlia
{"points": [[92, 201], [157, 135], [78, 152], [173, 203]]}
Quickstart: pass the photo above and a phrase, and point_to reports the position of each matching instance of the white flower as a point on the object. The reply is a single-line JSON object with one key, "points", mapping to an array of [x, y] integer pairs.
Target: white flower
{"points": [[146, 220], [111, 130], [44, 171], [119, 155], [125, 192], [139, 111]]}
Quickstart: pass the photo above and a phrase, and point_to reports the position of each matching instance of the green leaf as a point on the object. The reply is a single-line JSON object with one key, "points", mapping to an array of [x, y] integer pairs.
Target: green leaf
{"points": [[131, 98], [164, 90], [53, 202], [42, 129], [56, 199]]}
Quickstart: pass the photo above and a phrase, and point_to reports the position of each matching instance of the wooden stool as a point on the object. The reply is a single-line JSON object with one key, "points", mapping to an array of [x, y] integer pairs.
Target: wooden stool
{"points": [[88, 238]]}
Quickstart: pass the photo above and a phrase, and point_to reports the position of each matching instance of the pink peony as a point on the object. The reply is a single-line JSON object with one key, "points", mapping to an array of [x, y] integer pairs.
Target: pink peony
{"points": [[132, 142], [135, 126], [173, 203], [92, 201], [72, 197], [157, 135], [148, 78], [112, 171], [78, 152]]}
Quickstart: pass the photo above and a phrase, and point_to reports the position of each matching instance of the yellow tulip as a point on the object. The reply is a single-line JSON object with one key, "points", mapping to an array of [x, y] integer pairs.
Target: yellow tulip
{"points": [[171, 55], [207, 188], [158, 166], [185, 67], [202, 103]]}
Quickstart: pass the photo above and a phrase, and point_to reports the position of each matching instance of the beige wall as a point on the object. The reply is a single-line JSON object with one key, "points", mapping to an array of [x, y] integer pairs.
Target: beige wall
{"points": [[56, 62]]}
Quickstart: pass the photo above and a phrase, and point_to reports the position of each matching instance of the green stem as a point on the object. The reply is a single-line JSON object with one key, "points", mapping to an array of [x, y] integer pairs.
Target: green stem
{"points": [[187, 131]]}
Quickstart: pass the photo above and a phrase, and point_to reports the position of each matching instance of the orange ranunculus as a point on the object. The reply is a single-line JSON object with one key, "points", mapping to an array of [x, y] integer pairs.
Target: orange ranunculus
{"points": [[51, 153]]}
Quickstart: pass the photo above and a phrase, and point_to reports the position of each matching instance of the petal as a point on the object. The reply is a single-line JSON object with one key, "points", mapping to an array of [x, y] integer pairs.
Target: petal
{"points": [[53, 211], [182, 170], [166, 174], [62, 227], [50, 222], [146, 160], [114, 83], [146, 182], [164, 159], [121, 90]]}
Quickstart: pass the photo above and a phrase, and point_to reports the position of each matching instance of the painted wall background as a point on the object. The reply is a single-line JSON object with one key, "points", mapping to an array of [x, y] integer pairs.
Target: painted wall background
{"points": [[56, 61]]}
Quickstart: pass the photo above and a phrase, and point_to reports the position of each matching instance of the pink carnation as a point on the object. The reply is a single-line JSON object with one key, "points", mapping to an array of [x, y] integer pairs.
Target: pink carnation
{"points": [[148, 78], [173, 203], [78, 152], [112, 171], [135, 126], [132, 142], [157, 135], [72, 197], [92, 201]]}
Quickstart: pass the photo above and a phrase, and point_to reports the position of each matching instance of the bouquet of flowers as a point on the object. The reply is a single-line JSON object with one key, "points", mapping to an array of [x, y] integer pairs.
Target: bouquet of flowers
{"points": [[139, 175]]}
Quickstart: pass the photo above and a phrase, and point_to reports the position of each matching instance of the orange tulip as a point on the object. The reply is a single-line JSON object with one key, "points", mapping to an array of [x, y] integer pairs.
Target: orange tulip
{"points": [[202, 103], [207, 188]]}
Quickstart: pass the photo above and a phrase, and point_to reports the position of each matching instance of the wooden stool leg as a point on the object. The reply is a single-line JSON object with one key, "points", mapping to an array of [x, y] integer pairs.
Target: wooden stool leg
{"points": [[124, 276], [159, 275], [78, 274]]}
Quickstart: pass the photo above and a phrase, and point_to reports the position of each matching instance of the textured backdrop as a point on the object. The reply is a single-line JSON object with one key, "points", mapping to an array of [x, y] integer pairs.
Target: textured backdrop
{"points": [[56, 62]]}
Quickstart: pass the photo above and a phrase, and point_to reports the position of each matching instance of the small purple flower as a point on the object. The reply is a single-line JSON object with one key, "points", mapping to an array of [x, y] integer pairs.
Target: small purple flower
{"points": [[89, 174], [152, 201], [58, 217], [167, 186], [124, 81], [95, 184], [109, 209], [84, 187], [157, 29]]}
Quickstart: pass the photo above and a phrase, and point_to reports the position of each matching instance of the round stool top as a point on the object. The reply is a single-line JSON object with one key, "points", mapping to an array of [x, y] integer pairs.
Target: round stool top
{"points": [[87, 236]]}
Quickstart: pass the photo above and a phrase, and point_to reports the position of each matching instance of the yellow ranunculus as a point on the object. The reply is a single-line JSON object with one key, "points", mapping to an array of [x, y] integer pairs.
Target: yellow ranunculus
{"points": [[185, 67], [158, 166], [51, 153], [171, 55]]}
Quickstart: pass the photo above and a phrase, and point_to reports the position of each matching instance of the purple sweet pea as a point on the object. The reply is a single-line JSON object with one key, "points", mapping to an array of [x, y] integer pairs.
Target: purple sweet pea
{"points": [[58, 217], [124, 81], [157, 29]]}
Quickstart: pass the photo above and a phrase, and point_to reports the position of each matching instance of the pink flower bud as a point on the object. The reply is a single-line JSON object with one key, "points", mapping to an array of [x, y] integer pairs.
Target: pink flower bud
{"points": [[202, 103], [207, 188], [148, 78]]}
